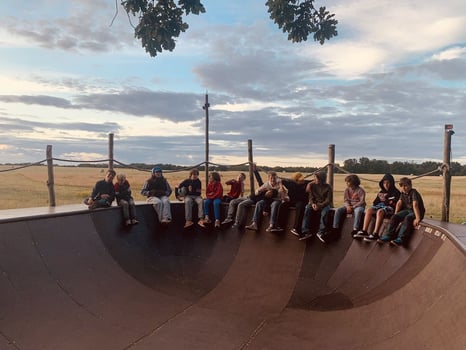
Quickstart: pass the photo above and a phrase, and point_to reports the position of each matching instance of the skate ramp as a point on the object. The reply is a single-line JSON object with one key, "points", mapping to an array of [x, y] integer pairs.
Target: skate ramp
{"points": [[83, 281]]}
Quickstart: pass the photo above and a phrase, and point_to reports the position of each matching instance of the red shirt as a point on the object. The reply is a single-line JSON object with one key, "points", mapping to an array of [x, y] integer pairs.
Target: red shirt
{"points": [[236, 188], [214, 190]]}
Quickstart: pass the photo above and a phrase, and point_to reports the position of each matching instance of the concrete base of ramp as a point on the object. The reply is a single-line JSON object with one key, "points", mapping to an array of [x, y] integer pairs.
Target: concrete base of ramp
{"points": [[84, 281]]}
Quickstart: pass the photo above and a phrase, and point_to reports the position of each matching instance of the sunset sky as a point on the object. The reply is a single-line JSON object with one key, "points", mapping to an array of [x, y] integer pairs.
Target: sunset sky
{"points": [[383, 88]]}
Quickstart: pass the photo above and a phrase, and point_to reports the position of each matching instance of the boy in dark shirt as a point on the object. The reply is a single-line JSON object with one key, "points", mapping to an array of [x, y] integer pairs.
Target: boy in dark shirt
{"points": [[192, 189], [409, 210], [103, 193]]}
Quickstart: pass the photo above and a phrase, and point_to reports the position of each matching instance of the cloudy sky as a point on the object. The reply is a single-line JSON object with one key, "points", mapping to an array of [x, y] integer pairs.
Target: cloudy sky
{"points": [[383, 89]]}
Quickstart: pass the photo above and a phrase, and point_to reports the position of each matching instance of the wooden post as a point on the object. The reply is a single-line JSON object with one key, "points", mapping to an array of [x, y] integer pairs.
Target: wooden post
{"points": [[251, 173], [331, 163], [206, 108], [110, 151], [50, 181], [446, 172]]}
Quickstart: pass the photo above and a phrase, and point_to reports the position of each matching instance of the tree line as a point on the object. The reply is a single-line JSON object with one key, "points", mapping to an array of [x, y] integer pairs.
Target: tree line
{"points": [[374, 166], [362, 165]]}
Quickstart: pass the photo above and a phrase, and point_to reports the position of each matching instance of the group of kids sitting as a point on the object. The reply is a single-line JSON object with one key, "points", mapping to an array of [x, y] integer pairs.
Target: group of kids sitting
{"points": [[312, 200]]}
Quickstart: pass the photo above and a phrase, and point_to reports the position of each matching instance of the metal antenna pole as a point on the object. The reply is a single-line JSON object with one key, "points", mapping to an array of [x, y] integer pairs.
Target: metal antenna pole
{"points": [[206, 108]]}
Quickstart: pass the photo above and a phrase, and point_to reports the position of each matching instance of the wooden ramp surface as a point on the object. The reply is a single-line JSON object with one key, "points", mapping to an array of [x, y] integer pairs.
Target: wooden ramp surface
{"points": [[80, 280]]}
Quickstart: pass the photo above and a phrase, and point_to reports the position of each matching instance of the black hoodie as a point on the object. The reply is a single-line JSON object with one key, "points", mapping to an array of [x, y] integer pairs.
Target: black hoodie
{"points": [[390, 197]]}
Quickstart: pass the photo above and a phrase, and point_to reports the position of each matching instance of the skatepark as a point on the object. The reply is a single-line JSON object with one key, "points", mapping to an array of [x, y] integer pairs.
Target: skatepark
{"points": [[78, 279]]}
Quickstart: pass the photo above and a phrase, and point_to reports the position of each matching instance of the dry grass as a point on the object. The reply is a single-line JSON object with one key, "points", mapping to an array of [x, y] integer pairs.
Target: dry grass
{"points": [[25, 188]]}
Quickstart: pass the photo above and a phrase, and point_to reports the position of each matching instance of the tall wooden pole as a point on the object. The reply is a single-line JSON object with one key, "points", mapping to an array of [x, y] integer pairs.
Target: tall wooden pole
{"points": [[331, 163], [206, 108], [446, 172], [110, 151], [50, 181], [251, 172]]}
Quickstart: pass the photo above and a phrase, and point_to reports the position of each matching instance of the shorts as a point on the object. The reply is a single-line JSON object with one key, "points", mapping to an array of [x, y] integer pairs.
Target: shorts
{"points": [[386, 209]]}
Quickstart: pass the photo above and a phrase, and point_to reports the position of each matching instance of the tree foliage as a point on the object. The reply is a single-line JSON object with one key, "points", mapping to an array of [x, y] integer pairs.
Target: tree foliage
{"points": [[162, 21], [373, 166]]}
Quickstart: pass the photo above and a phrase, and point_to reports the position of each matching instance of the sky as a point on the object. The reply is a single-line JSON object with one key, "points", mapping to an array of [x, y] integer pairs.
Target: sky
{"points": [[71, 73]]}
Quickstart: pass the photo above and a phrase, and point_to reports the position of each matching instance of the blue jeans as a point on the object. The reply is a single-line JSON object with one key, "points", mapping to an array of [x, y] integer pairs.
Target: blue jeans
{"points": [[406, 229], [311, 214], [216, 203], [273, 211], [241, 210], [357, 214]]}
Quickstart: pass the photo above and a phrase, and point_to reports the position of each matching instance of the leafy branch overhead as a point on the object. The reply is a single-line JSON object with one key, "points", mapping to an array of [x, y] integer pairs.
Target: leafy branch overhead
{"points": [[162, 21]]}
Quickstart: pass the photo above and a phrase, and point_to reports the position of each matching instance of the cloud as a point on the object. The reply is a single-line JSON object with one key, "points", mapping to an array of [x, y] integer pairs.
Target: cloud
{"points": [[78, 28], [382, 89], [450, 54], [40, 100]]}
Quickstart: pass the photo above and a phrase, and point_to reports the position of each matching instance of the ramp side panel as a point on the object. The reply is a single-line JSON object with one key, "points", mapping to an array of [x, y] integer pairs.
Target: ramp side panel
{"points": [[63, 282], [416, 316]]}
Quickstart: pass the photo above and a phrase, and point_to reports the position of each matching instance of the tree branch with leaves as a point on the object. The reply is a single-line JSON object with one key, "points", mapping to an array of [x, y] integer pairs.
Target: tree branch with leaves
{"points": [[162, 21]]}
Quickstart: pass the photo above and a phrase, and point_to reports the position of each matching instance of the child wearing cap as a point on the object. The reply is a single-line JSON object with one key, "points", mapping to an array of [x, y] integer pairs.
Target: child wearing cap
{"points": [[157, 190]]}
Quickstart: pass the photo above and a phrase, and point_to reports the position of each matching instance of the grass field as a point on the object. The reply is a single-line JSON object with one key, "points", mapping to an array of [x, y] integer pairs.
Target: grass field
{"points": [[27, 187]]}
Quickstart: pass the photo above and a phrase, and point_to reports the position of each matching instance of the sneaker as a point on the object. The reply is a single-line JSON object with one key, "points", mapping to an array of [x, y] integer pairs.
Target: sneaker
{"points": [[305, 236], [217, 223], [270, 228], [295, 232], [397, 242], [321, 236], [372, 237], [201, 223], [207, 220], [134, 222], [383, 239], [127, 222], [227, 221], [361, 234], [235, 225], [252, 227], [354, 233], [188, 224], [276, 229]]}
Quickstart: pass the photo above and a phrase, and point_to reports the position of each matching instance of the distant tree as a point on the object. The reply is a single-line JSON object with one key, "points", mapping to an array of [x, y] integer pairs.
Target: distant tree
{"points": [[380, 167], [162, 21], [457, 169], [351, 165]]}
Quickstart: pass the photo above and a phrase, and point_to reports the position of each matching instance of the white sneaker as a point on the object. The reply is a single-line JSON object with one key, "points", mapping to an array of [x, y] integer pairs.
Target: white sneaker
{"points": [[295, 232]]}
